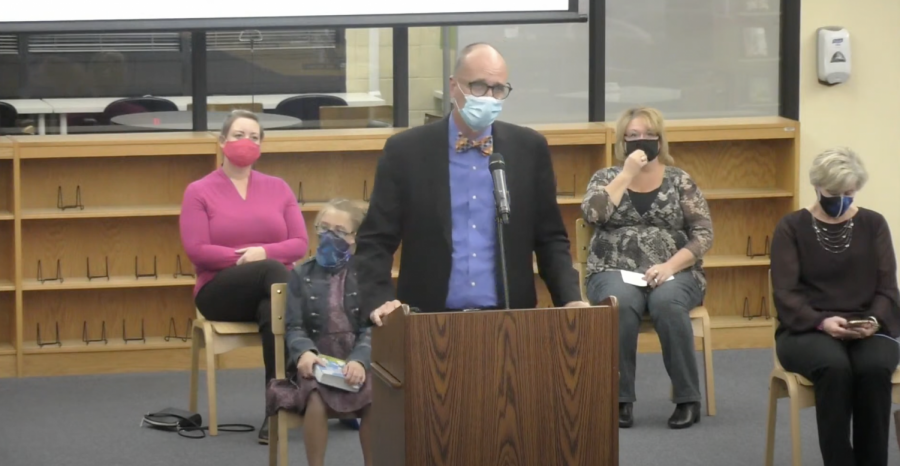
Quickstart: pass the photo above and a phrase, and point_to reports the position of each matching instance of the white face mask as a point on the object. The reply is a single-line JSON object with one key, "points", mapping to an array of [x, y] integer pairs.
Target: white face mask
{"points": [[479, 112]]}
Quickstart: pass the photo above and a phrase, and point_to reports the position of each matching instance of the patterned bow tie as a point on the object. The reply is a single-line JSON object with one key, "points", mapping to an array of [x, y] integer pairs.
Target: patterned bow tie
{"points": [[485, 145]]}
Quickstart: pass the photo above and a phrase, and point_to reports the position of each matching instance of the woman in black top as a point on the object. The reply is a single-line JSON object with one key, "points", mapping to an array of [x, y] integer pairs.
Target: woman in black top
{"points": [[834, 279], [650, 218]]}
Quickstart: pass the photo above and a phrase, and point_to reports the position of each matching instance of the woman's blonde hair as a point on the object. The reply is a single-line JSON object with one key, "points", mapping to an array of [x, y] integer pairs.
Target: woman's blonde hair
{"points": [[235, 116], [654, 120], [357, 214], [837, 170]]}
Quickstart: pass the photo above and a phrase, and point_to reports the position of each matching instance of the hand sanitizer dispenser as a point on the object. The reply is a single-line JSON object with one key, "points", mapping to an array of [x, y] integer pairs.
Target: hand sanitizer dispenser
{"points": [[833, 55]]}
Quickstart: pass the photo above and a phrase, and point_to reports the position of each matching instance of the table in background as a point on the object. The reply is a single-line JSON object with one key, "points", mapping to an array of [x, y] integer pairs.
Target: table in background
{"points": [[32, 107], [66, 106], [183, 120]]}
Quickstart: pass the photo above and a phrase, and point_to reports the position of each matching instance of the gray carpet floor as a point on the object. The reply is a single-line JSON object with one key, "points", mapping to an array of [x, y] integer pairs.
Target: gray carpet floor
{"points": [[94, 420]]}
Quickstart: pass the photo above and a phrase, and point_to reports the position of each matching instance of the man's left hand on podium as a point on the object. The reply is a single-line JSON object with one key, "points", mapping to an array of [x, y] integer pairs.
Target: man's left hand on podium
{"points": [[382, 311], [577, 304]]}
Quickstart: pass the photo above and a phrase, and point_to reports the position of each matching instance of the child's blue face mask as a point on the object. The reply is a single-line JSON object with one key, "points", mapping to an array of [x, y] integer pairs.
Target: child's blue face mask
{"points": [[333, 251]]}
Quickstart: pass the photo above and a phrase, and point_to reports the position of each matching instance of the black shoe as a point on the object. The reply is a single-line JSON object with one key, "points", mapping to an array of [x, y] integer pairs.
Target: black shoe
{"points": [[626, 415], [685, 415], [264, 432]]}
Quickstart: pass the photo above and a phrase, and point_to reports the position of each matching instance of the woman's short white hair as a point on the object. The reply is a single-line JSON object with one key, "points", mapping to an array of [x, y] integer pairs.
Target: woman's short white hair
{"points": [[838, 170]]}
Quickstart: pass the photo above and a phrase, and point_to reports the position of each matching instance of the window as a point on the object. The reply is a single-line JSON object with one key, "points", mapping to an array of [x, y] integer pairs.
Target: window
{"points": [[269, 62], [548, 69], [693, 58], [9, 66], [104, 65], [302, 78]]}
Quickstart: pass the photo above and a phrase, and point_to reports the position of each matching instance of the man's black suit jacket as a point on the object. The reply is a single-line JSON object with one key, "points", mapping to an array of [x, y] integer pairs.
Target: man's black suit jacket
{"points": [[410, 204]]}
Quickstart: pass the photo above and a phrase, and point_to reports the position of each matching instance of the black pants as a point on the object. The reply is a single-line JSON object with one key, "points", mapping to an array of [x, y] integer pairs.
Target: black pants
{"points": [[852, 381], [243, 293]]}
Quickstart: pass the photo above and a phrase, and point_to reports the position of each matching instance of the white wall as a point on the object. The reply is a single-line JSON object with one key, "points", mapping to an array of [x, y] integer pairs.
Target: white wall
{"points": [[863, 113]]}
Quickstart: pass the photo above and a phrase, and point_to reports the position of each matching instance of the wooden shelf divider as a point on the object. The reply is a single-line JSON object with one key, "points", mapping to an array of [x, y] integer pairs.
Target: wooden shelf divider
{"points": [[7, 349], [6, 148], [746, 193], [114, 344], [746, 167], [103, 212], [82, 283]]}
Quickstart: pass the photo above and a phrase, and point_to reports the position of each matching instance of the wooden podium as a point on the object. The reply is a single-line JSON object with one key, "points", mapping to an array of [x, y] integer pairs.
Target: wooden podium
{"points": [[535, 387]]}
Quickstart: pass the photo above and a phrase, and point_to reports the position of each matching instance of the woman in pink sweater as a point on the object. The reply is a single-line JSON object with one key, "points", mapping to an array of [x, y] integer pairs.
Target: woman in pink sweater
{"points": [[243, 231]]}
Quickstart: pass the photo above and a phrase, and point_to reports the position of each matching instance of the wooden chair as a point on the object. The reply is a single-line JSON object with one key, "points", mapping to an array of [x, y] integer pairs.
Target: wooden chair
{"points": [[218, 338], [283, 420], [800, 393], [699, 315]]}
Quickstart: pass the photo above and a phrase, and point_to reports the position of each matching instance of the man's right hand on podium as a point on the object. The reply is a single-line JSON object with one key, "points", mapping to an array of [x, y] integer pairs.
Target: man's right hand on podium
{"points": [[307, 362], [382, 311]]}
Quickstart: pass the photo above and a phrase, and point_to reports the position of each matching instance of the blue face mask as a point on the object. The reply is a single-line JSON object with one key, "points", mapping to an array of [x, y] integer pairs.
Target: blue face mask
{"points": [[480, 112], [333, 251], [835, 206]]}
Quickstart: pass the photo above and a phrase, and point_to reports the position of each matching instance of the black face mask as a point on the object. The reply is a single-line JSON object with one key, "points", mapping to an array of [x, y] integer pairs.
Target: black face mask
{"points": [[835, 206], [649, 146]]}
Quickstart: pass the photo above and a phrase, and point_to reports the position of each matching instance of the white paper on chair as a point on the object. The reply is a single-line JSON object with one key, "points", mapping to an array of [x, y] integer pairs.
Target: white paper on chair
{"points": [[634, 278]]}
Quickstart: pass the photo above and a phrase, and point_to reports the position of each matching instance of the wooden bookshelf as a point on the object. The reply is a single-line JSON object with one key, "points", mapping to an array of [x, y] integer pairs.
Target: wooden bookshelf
{"points": [[8, 353], [131, 188], [77, 267]]}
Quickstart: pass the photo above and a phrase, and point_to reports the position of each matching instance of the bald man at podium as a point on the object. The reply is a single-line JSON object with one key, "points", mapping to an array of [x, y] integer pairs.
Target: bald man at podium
{"points": [[434, 193]]}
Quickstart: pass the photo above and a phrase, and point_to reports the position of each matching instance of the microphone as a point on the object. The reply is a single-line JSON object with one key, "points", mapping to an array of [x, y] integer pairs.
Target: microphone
{"points": [[501, 194]]}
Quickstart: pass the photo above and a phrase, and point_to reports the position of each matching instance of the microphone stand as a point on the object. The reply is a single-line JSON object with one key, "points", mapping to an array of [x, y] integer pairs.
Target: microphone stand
{"points": [[501, 222]]}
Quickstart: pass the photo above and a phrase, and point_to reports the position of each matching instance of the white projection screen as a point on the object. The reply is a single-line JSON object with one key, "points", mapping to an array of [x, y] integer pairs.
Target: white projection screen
{"points": [[160, 15]]}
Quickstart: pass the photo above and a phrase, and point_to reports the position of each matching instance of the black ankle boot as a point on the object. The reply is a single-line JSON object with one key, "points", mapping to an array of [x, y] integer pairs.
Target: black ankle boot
{"points": [[685, 415], [626, 415], [264, 432]]}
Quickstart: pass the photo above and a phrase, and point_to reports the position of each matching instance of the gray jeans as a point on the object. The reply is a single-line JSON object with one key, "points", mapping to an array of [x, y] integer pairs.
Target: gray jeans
{"points": [[668, 305]]}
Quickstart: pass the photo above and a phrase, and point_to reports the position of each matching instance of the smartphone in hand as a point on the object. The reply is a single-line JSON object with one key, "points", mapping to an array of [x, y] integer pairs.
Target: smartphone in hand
{"points": [[858, 323]]}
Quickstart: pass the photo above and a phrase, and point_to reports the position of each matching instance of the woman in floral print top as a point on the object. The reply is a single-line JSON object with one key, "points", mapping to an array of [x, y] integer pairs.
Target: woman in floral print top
{"points": [[650, 218]]}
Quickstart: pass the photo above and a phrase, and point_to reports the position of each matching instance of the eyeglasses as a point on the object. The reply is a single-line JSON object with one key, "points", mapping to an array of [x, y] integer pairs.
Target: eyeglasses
{"points": [[339, 232], [498, 91], [636, 136]]}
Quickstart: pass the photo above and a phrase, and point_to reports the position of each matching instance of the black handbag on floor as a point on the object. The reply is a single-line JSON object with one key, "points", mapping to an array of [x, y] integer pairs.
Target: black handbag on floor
{"points": [[186, 423]]}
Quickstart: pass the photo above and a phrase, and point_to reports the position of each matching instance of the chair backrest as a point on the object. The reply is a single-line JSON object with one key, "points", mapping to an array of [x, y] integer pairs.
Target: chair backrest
{"points": [[771, 296], [8, 115], [279, 307], [306, 107], [137, 105], [583, 234]]}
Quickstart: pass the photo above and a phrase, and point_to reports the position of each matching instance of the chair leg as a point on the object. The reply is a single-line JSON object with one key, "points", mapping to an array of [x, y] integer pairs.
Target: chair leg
{"points": [[796, 450], [775, 392], [273, 440], [209, 337], [708, 369], [283, 436], [196, 339]]}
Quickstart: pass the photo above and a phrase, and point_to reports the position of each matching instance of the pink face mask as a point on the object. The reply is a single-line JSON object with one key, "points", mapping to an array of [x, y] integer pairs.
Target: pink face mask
{"points": [[242, 153]]}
